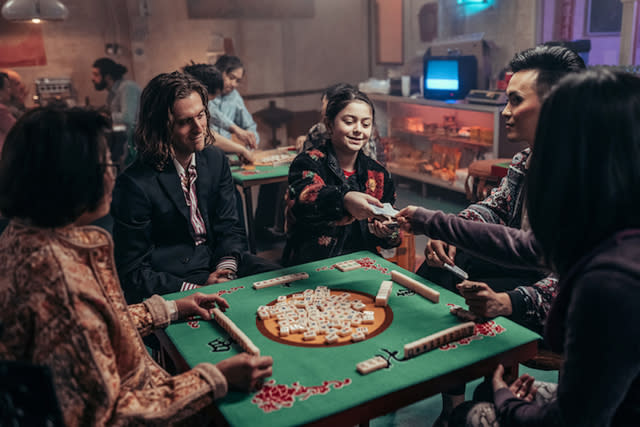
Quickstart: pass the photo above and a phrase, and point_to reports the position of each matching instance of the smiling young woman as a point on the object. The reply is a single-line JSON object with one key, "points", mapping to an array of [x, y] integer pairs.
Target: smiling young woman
{"points": [[332, 188]]}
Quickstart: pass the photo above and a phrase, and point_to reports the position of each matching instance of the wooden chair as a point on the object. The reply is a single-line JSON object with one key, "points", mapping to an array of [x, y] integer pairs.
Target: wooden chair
{"points": [[483, 177]]}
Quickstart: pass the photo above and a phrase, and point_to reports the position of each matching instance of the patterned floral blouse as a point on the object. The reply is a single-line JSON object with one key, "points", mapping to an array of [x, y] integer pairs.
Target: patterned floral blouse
{"points": [[315, 209], [505, 204], [61, 306]]}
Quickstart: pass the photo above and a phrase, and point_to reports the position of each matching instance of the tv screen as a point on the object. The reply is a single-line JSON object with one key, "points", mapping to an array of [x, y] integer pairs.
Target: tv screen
{"points": [[442, 74], [449, 77]]}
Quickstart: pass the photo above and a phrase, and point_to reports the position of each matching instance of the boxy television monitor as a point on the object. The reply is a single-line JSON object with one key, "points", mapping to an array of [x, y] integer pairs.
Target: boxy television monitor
{"points": [[449, 77]]}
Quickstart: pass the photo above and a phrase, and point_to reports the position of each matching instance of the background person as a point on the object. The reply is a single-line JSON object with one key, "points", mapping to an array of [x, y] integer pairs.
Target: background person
{"points": [[589, 126], [212, 79], [7, 119], [122, 100], [332, 188], [229, 115], [19, 93], [61, 305]]}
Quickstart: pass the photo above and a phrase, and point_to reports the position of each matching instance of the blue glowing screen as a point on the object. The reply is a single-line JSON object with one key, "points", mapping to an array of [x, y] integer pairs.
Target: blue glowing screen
{"points": [[443, 75]]}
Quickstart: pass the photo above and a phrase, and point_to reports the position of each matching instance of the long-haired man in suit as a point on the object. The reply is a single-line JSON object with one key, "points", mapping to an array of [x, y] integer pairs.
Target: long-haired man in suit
{"points": [[175, 220]]}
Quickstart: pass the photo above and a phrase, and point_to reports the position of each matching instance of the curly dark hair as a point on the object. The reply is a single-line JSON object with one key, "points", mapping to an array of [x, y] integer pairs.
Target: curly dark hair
{"points": [[53, 165], [154, 128], [206, 74], [109, 67]]}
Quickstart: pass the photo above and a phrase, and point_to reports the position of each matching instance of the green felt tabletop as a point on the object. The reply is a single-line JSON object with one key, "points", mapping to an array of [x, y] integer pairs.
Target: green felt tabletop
{"points": [[311, 383], [260, 172]]}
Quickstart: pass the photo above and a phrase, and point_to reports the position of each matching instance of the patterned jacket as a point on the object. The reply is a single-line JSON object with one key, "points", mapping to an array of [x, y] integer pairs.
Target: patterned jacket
{"points": [[531, 303], [315, 206], [61, 306]]}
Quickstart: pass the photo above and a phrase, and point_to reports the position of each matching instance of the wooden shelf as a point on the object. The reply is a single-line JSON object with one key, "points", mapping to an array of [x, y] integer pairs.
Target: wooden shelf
{"points": [[422, 177], [440, 139]]}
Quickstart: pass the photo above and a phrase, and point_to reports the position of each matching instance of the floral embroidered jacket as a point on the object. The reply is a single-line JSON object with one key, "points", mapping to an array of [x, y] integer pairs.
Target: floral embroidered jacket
{"points": [[61, 306], [315, 206], [531, 302]]}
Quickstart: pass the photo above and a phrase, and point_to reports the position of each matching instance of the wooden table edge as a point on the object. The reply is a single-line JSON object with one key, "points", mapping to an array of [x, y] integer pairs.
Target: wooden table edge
{"points": [[360, 415]]}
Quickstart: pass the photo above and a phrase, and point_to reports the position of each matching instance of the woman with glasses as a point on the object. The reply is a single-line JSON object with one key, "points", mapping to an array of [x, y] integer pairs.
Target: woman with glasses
{"points": [[61, 304]]}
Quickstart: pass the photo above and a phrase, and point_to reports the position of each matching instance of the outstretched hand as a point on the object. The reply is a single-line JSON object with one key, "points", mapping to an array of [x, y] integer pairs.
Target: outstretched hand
{"points": [[405, 216], [522, 388], [245, 372], [358, 205], [200, 304]]}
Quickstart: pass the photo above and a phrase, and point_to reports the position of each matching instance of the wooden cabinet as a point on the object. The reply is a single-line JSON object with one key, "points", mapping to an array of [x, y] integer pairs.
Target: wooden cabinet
{"points": [[434, 142]]}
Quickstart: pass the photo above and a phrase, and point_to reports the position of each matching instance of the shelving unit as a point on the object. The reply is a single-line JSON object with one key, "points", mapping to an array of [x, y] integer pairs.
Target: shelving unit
{"points": [[427, 139]]}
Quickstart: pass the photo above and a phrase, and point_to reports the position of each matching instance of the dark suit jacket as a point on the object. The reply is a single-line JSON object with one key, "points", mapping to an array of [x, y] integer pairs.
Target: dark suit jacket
{"points": [[154, 248]]}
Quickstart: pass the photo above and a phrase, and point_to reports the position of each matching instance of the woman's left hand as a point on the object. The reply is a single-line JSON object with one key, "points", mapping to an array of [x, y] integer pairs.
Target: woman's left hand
{"points": [[200, 304], [382, 230]]}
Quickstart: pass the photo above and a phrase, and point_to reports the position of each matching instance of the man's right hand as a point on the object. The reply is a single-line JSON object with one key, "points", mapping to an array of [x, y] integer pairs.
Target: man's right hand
{"points": [[247, 137], [245, 372], [483, 301], [438, 253]]}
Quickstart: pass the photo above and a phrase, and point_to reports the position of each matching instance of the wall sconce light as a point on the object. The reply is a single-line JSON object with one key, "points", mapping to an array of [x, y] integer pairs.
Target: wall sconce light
{"points": [[34, 10], [471, 1]]}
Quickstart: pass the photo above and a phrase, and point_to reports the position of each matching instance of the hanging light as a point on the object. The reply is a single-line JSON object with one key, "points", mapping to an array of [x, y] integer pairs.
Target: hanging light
{"points": [[34, 10]]}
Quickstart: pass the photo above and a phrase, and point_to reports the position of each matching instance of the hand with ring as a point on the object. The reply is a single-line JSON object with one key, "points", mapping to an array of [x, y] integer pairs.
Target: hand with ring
{"points": [[439, 253]]}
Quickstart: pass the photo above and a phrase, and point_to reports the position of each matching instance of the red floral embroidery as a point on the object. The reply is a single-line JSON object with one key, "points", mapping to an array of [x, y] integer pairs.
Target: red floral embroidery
{"points": [[315, 154], [310, 192], [375, 184], [487, 329], [272, 397]]}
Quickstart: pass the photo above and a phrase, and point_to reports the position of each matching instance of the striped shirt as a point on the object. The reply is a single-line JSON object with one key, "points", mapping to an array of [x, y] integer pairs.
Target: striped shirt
{"points": [[188, 180]]}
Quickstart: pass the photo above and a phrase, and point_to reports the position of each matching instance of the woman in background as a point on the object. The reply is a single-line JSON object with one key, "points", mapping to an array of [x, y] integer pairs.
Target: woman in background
{"points": [[332, 188], [61, 304], [582, 192]]}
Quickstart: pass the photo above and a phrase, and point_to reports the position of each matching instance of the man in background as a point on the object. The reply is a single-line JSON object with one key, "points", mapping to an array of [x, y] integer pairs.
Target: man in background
{"points": [[122, 100], [6, 118], [18, 92]]}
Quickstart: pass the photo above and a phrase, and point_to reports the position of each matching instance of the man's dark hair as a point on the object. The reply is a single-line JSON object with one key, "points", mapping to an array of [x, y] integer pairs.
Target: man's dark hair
{"points": [[583, 184], [228, 63], [53, 165], [339, 101], [330, 91], [552, 63], [155, 123], [108, 67], [206, 74], [4, 77]]}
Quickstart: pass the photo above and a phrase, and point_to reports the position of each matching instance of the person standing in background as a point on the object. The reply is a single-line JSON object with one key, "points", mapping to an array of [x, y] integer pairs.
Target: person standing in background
{"points": [[6, 118], [18, 92], [123, 98]]}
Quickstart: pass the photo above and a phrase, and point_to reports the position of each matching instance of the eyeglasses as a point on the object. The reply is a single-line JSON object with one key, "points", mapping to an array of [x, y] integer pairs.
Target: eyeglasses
{"points": [[115, 166]]}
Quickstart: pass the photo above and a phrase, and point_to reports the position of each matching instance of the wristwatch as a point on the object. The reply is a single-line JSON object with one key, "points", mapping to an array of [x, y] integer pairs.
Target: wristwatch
{"points": [[230, 275]]}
